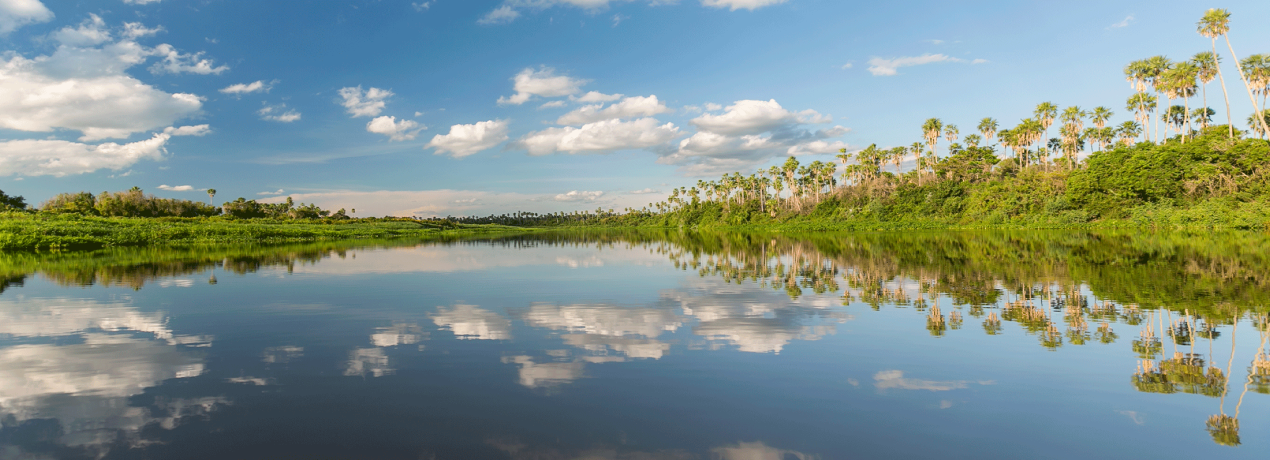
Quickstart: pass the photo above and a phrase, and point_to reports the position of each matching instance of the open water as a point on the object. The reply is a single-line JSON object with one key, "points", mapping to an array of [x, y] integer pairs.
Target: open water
{"points": [[644, 346]]}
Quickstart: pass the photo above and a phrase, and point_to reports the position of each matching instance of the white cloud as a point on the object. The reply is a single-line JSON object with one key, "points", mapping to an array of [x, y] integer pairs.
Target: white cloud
{"points": [[603, 136], [175, 62], [712, 107], [847, 66], [740, 4], [193, 130], [592, 97], [748, 134], [579, 196], [552, 105], [500, 15], [85, 90], [277, 192], [464, 140], [62, 158], [91, 31], [246, 88], [141, 2], [422, 6], [138, 30], [934, 41], [17, 13], [630, 107], [979, 61], [644, 191], [278, 113], [888, 67], [403, 130], [818, 148], [543, 83], [618, 18], [746, 117], [178, 188], [364, 103], [1123, 23]]}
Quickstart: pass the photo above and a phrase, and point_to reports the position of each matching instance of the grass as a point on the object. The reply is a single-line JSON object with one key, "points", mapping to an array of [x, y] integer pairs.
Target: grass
{"points": [[27, 232]]}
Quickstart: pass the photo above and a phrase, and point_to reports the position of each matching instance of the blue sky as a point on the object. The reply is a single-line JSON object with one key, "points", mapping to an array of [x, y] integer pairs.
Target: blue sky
{"points": [[489, 106]]}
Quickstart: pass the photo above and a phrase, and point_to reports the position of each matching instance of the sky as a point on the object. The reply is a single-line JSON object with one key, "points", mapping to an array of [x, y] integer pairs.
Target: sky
{"points": [[477, 107]]}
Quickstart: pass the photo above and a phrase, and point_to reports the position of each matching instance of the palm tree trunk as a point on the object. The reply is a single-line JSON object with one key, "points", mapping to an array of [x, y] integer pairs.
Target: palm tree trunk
{"points": [[1230, 122], [1257, 110], [1187, 103]]}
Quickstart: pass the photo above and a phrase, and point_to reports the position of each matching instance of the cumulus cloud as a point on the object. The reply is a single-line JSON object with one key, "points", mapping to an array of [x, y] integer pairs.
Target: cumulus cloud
{"points": [[630, 107], [87, 90], [592, 97], [91, 31], [62, 158], [175, 62], [740, 4], [749, 133], [579, 196], [177, 188], [257, 86], [278, 113], [543, 83], [464, 140], [746, 117], [194, 130], [501, 15], [888, 67], [364, 103], [403, 130], [17, 13], [601, 136], [138, 30]]}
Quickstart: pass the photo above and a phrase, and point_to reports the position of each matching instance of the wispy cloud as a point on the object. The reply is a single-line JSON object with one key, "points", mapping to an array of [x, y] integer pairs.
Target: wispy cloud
{"points": [[177, 188], [1122, 24], [888, 67]]}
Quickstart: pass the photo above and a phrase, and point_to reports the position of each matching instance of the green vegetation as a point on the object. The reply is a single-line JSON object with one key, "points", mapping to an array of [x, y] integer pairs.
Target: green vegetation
{"points": [[42, 231]]}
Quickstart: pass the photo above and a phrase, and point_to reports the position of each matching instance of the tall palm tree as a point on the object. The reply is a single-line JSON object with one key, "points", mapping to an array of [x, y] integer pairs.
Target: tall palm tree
{"points": [[1258, 128], [1183, 83], [1045, 113], [1099, 116], [1143, 105], [1137, 74], [211, 194], [1203, 116], [988, 127], [973, 140], [932, 129], [1128, 131], [1208, 64], [951, 133], [1073, 124], [1156, 66], [1257, 67], [1215, 23]]}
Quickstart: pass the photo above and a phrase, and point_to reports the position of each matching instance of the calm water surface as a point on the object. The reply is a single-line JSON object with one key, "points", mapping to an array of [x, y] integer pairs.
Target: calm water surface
{"points": [[644, 346]]}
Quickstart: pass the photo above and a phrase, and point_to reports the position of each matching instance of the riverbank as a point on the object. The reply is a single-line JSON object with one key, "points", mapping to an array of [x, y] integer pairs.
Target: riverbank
{"points": [[27, 232]]}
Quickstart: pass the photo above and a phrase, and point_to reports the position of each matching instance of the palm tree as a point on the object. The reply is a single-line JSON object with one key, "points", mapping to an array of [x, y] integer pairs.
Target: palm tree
{"points": [[1099, 116], [1045, 113], [1182, 81], [1128, 131], [1203, 116], [1215, 23], [1155, 68], [1256, 127], [1208, 64], [973, 140], [1142, 104], [211, 194], [1137, 74], [1258, 68], [951, 132], [931, 129], [988, 127]]}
